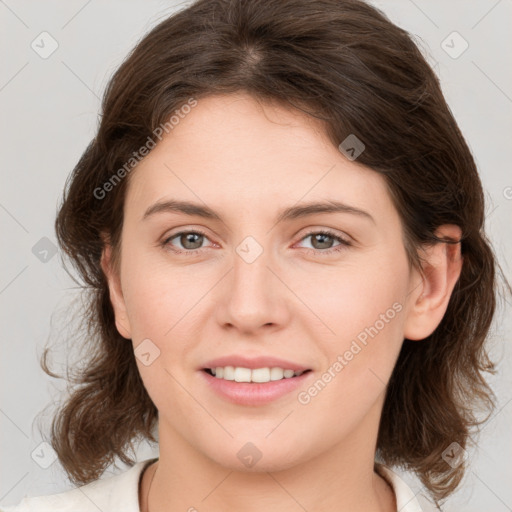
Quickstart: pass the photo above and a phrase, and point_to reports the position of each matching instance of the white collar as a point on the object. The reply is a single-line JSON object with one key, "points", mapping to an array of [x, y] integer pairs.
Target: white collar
{"points": [[406, 499]]}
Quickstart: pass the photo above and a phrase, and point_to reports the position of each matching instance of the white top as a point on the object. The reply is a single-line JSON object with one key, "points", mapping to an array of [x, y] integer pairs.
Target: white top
{"points": [[121, 493]]}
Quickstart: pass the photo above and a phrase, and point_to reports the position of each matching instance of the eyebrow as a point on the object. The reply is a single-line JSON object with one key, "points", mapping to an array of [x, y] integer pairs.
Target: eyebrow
{"points": [[290, 213]]}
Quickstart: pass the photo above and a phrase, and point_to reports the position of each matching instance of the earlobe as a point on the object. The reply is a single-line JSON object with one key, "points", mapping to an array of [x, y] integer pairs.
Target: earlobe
{"points": [[442, 265], [116, 294]]}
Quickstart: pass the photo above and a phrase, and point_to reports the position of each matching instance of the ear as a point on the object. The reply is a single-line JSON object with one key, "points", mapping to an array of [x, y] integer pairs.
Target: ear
{"points": [[429, 301], [116, 293]]}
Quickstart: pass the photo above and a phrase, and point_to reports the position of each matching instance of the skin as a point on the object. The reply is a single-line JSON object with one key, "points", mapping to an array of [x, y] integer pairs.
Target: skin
{"points": [[248, 160]]}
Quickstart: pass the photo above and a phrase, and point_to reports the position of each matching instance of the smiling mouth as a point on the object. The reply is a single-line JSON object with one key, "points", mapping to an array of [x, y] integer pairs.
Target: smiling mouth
{"points": [[253, 376]]}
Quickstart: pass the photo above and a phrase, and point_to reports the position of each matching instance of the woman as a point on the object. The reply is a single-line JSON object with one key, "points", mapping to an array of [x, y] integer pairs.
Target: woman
{"points": [[281, 227]]}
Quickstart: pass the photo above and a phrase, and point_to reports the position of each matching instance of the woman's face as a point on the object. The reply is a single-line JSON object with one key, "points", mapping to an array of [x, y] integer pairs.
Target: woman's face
{"points": [[262, 281]]}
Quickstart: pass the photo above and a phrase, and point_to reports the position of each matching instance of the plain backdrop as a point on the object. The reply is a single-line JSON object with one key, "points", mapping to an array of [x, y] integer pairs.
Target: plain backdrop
{"points": [[49, 111]]}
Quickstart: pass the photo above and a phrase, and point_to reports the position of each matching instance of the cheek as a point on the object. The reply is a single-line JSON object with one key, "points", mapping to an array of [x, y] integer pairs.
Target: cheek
{"points": [[156, 294], [347, 300], [159, 306], [357, 329], [149, 307], [165, 305], [358, 325]]}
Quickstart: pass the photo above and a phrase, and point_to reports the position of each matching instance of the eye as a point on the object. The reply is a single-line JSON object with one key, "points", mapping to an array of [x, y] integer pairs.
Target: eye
{"points": [[321, 242], [191, 241]]}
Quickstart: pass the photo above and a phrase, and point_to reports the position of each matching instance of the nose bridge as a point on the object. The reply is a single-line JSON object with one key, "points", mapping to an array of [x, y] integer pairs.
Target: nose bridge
{"points": [[251, 261], [255, 295]]}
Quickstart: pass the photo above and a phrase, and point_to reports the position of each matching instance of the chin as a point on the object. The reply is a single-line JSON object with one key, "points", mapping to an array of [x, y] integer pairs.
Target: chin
{"points": [[254, 457]]}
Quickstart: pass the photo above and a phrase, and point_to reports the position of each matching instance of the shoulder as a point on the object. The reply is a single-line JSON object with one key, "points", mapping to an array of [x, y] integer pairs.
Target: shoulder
{"points": [[118, 492], [406, 498]]}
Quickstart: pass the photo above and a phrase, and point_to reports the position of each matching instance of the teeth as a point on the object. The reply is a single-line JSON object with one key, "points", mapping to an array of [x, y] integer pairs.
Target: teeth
{"points": [[240, 374]]}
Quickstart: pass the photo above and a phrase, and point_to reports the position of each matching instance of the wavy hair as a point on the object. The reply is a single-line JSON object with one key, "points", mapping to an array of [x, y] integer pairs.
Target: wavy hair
{"points": [[346, 63]]}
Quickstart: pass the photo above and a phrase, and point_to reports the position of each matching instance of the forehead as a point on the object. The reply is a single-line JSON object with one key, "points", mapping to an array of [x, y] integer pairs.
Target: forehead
{"points": [[235, 150]]}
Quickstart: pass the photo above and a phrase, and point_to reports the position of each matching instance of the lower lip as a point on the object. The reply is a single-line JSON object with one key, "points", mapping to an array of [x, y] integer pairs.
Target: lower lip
{"points": [[254, 393]]}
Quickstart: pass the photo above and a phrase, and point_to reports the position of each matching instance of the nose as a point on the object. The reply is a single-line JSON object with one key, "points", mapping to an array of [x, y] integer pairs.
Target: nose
{"points": [[254, 295]]}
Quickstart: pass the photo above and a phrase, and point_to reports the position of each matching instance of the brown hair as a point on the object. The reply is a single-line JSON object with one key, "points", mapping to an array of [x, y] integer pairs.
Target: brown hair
{"points": [[341, 61]]}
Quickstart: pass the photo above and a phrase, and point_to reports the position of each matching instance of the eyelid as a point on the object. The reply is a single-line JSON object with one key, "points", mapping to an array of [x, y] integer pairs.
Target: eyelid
{"points": [[329, 231], [167, 239], [344, 241]]}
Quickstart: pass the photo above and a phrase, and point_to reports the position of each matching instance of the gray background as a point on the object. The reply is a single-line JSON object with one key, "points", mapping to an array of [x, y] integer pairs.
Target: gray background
{"points": [[49, 114]]}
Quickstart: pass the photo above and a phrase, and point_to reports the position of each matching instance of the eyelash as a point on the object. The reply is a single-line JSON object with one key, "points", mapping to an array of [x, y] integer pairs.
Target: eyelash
{"points": [[316, 252]]}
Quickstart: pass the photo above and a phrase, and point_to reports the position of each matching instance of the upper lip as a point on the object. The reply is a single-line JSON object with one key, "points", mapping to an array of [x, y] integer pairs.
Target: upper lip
{"points": [[254, 362]]}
